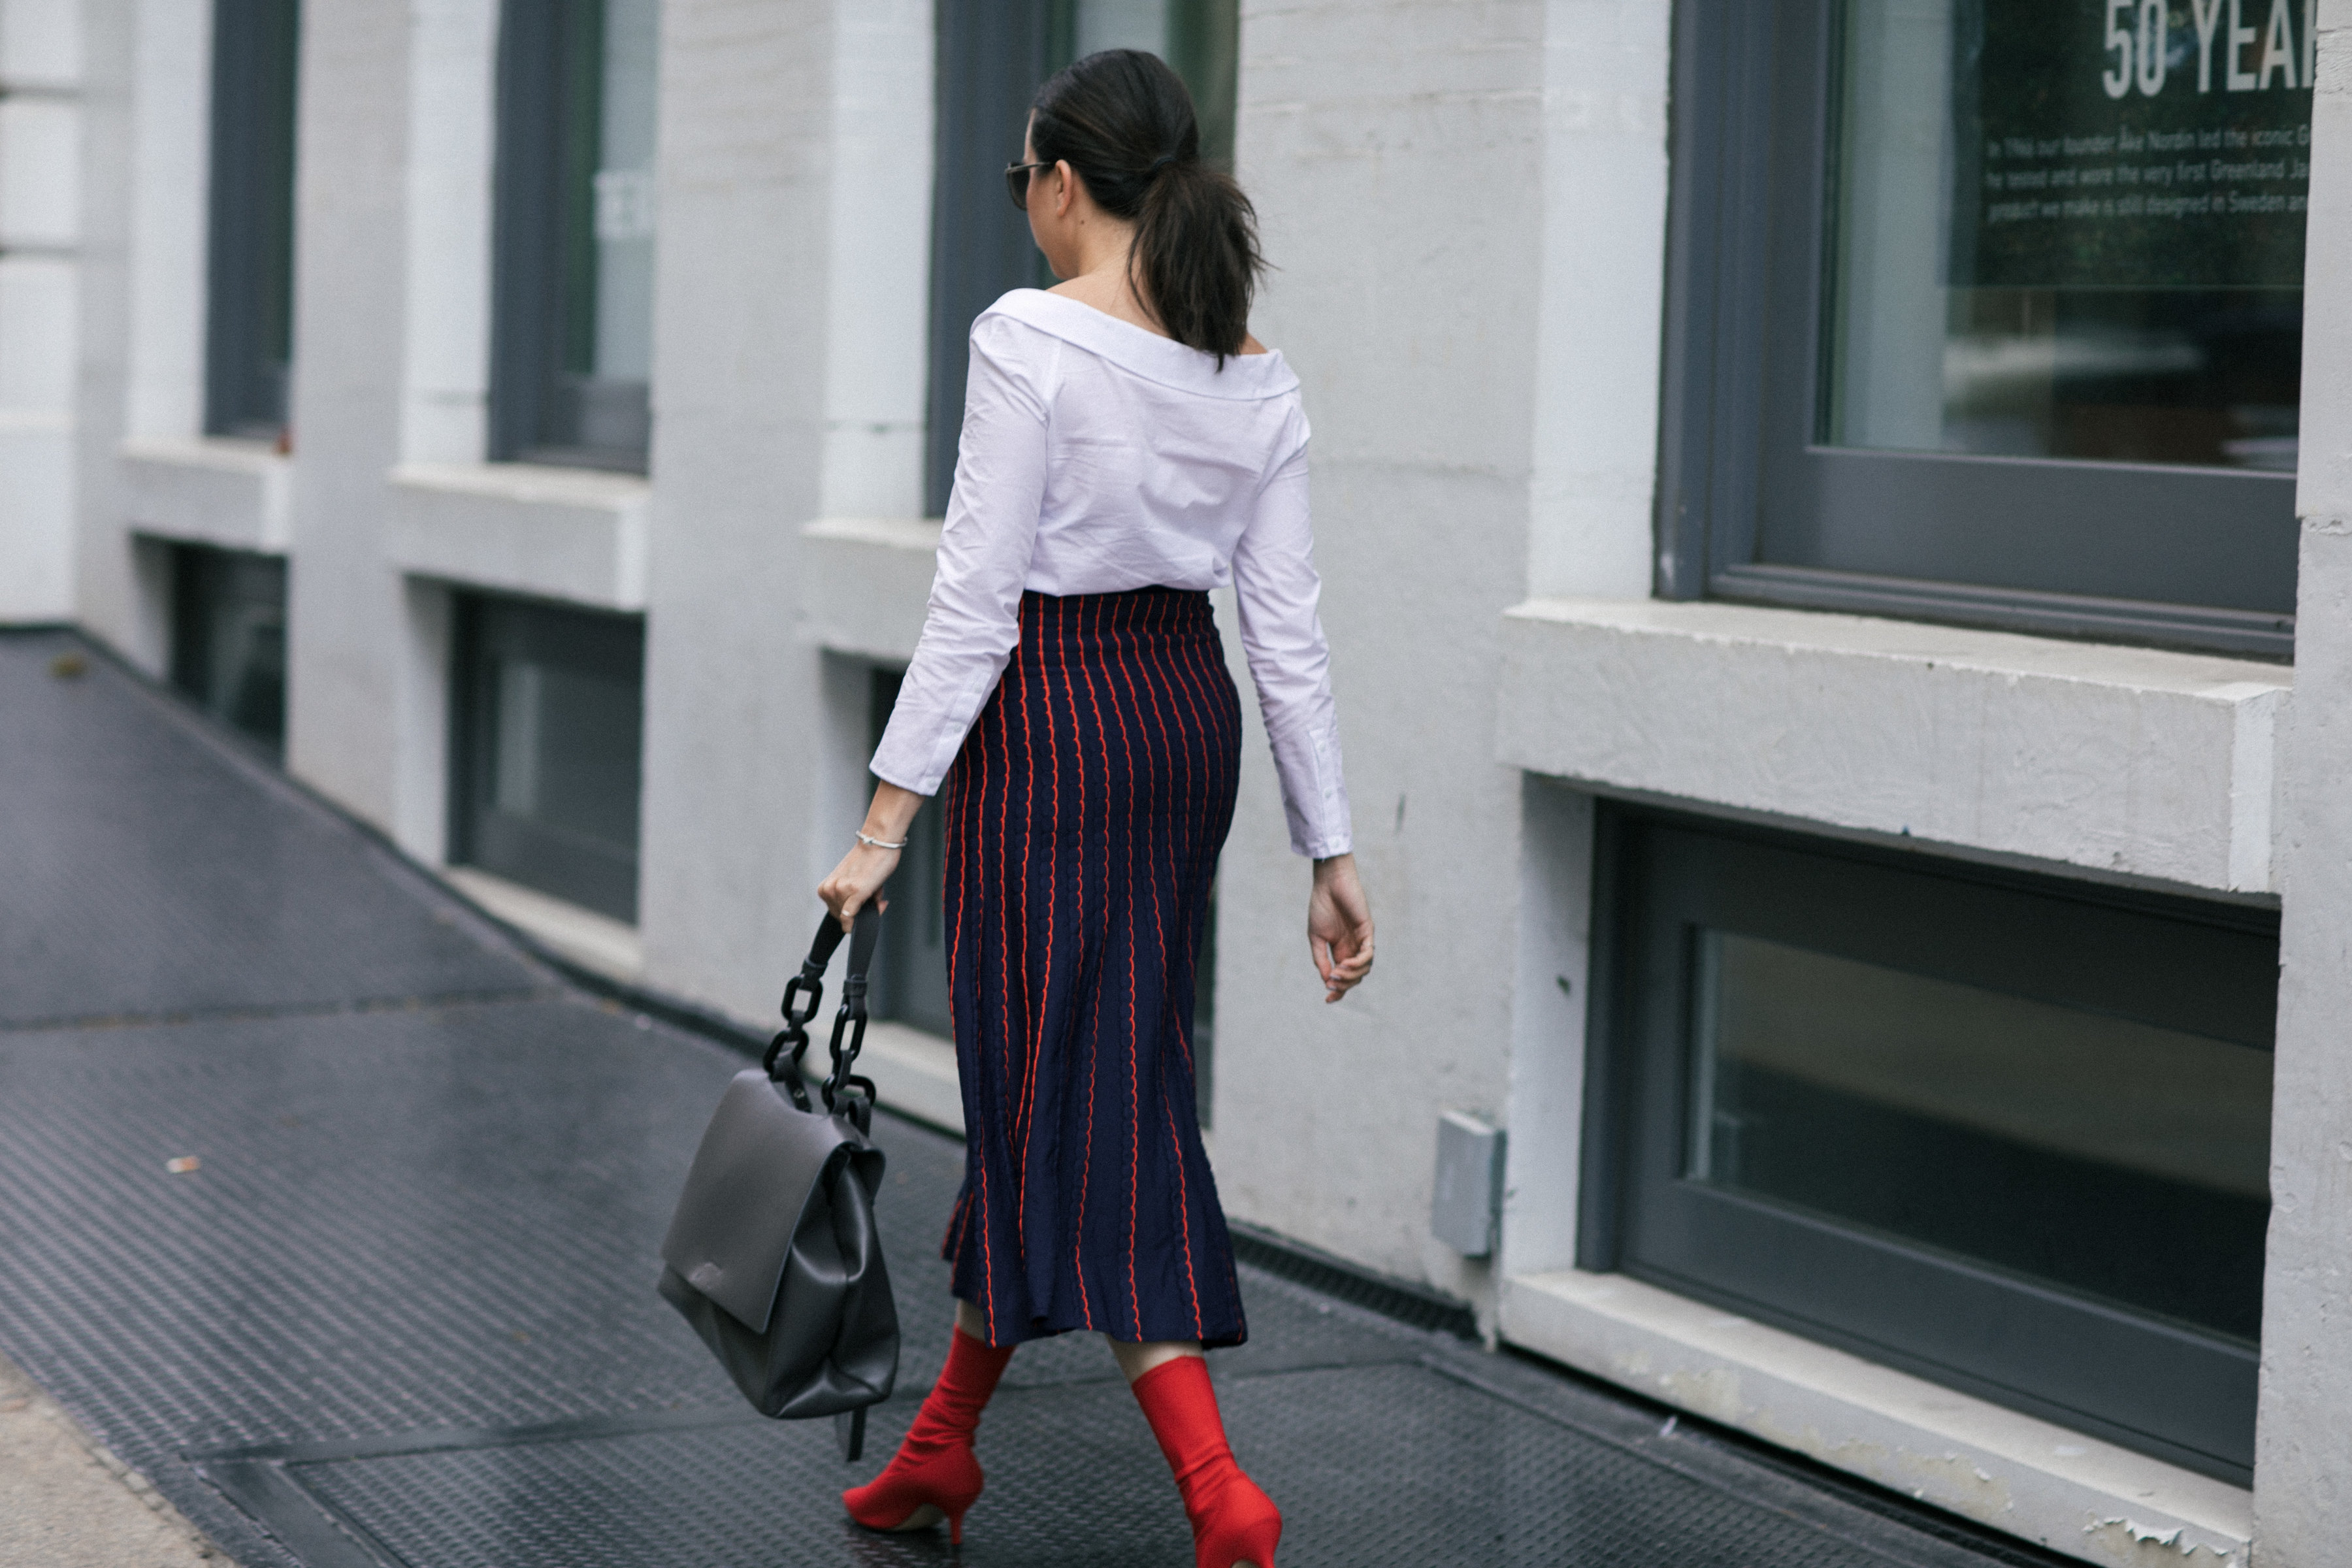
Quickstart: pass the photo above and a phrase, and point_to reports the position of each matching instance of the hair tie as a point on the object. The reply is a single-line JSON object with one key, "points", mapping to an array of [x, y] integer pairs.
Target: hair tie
{"points": [[1158, 163]]}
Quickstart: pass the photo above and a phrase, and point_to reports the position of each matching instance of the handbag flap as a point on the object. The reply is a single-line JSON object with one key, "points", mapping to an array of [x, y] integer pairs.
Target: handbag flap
{"points": [[761, 1162]]}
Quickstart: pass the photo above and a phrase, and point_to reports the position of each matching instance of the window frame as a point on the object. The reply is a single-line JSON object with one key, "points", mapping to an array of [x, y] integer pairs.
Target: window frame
{"points": [[1750, 507], [249, 241], [2152, 1384]]}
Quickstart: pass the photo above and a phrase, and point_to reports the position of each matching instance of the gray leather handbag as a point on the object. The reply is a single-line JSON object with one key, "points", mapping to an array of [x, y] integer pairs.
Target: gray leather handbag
{"points": [[772, 1255]]}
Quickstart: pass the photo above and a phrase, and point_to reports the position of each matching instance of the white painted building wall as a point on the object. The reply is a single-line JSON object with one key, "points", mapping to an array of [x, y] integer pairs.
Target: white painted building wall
{"points": [[42, 86], [2302, 1458], [1466, 205]]}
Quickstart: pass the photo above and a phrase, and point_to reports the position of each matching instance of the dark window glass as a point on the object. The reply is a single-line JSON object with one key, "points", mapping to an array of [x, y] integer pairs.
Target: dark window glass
{"points": [[1943, 1113], [2009, 1133], [550, 721], [228, 637], [1992, 311], [249, 319], [578, 85], [1200, 38], [990, 58], [2048, 242], [912, 980]]}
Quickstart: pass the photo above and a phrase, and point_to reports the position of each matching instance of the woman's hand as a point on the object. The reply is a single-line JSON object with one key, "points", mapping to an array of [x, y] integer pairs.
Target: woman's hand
{"points": [[865, 869], [1338, 926]]}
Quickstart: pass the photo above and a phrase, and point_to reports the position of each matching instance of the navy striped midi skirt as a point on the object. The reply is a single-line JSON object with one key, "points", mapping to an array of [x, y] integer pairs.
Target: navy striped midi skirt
{"points": [[1084, 816]]}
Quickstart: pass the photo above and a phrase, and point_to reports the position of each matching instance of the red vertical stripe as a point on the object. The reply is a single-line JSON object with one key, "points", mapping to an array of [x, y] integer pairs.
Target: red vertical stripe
{"points": [[1016, 685], [1085, 658], [975, 872], [1163, 718], [1165, 804]]}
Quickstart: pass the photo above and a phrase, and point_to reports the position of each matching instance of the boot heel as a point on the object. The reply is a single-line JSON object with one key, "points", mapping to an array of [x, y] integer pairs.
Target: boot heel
{"points": [[1245, 1527], [1233, 1520], [934, 1475]]}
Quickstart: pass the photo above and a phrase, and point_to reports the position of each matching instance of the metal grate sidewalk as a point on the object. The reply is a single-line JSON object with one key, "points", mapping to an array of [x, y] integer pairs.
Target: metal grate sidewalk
{"points": [[401, 1312]]}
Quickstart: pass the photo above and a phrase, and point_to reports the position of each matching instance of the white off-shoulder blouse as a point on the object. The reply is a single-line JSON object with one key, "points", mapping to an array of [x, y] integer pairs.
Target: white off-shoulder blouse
{"points": [[1096, 457]]}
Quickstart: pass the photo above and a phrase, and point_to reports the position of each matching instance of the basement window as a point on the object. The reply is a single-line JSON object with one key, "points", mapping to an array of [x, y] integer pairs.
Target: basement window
{"points": [[228, 638], [550, 721], [2009, 1133]]}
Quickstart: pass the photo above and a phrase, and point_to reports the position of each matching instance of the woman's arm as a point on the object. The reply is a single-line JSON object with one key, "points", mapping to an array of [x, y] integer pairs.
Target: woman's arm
{"points": [[1277, 590], [866, 867], [1276, 583], [986, 544], [1338, 926], [973, 619]]}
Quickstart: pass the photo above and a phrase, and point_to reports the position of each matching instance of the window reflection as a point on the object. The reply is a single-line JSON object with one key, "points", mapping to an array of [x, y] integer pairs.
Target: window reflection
{"points": [[2093, 1151], [228, 637], [551, 703], [1198, 39], [578, 106], [2069, 229]]}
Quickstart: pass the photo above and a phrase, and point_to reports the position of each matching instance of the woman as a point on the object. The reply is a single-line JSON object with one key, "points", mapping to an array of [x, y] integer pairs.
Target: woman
{"points": [[1127, 446]]}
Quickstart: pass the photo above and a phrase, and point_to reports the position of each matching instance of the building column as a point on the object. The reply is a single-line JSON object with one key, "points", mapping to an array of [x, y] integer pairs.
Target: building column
{"points": [[2302, 1466], [41, 131], [344, 607], [746, 167]]}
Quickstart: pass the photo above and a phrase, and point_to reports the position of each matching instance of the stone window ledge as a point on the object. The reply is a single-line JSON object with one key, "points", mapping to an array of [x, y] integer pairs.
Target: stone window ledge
{"points": [[574, 535], [210, 489], [865, 583], [2124, 761], [595, 942], [2069, 1492]]}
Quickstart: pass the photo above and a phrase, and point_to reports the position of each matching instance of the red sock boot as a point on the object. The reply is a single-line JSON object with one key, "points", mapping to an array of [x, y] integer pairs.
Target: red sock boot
{"points": [[1233, 1521], [933, 1472]]}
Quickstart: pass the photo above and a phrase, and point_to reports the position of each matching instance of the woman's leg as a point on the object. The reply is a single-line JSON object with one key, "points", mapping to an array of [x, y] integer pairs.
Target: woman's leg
{"points": [[1233, 1521], [1137, 1359], [934, 1474]]}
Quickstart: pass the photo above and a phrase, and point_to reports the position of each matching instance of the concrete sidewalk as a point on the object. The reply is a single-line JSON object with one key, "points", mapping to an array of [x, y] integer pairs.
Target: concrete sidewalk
{"points": [[66, 1502], [333, 1212]]}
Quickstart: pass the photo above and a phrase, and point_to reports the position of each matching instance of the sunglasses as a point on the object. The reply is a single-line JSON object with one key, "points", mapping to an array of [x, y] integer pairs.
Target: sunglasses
{"points": [[1016, 182]]}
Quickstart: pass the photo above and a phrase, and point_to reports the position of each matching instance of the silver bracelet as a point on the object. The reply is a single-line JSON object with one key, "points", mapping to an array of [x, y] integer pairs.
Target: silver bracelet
{"points": [[880, 843]]}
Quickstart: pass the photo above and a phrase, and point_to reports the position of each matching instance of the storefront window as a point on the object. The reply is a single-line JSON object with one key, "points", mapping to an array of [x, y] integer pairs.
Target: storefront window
{"points": [[2057, 241], [1991, 311], [578, 91]]}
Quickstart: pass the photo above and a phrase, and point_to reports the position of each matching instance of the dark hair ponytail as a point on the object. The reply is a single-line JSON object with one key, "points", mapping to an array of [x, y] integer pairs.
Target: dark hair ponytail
{"points": [[1124, 121]]}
